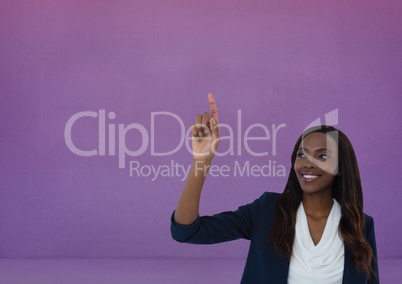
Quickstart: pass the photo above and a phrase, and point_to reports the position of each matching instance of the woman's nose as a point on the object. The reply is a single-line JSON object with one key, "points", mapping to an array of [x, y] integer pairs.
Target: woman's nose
{"points": [[308, 163]]}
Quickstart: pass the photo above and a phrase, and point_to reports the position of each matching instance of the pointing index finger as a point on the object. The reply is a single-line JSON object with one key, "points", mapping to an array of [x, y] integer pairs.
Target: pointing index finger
{"points": [[213, 108]]}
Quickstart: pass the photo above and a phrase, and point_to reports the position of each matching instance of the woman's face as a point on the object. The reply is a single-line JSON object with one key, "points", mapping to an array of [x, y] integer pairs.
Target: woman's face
{"points": [[316, 163]]}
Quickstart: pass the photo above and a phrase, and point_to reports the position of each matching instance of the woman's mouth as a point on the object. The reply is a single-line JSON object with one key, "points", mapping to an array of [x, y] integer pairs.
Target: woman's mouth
{"points": [[308, 177]]}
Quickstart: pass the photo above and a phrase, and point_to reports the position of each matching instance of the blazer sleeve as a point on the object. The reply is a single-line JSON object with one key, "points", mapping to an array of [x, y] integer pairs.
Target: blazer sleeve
{"points": [[222, 227], [370, 237]]}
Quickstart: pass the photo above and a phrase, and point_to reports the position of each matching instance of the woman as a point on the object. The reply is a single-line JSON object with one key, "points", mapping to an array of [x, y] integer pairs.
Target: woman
{"points": [[314, 232]]}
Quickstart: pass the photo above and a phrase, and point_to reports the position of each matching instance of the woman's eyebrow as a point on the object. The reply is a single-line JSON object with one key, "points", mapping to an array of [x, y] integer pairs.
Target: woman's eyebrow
{"points": [[316, 150]]}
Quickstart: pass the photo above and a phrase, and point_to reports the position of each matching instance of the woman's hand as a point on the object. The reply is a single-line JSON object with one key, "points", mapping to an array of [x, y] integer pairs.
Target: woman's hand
{"points": [[205, 133]]}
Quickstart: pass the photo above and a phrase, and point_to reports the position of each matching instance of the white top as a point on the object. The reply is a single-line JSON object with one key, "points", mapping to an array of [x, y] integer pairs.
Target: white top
{"points": [[322, 263]]}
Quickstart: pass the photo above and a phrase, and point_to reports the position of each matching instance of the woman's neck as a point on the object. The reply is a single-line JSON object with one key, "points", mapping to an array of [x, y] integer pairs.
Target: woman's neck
{"points": [[317, 204]]}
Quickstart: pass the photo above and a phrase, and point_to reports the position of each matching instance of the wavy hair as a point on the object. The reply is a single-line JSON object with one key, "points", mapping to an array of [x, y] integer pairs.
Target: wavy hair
{"points": [[347, 190]]}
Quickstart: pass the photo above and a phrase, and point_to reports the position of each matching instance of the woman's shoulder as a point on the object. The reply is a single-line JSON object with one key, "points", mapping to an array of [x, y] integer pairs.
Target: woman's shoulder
{"points": [[368, 222], [267, 199], [270, 196], [264, 207]]}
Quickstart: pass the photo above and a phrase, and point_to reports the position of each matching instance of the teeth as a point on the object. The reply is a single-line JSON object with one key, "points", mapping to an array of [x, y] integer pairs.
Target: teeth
{"points": [[309, 176]]}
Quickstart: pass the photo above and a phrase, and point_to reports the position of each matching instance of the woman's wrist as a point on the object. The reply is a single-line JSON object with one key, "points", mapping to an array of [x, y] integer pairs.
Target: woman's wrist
{"points": [[201, 167]]}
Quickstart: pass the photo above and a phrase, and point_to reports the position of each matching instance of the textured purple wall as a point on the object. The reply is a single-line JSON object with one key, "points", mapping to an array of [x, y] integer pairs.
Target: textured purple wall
{"points": [[275, 62]]}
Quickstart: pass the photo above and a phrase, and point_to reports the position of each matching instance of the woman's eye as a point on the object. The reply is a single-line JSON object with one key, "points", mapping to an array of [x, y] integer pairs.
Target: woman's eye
{"points": [[323, 157], [300, 155]]}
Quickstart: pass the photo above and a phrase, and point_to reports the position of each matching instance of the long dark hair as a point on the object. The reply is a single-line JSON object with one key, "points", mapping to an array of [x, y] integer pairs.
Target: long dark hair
{"points": [[347, 190]]}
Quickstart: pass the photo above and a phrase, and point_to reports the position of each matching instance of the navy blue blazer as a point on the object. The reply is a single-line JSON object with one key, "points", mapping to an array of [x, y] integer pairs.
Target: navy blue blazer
{"points": [[254, 222]]}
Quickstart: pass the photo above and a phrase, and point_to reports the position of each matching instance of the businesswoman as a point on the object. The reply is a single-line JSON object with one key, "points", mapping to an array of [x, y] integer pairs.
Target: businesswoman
{"points": [[314, 232]]}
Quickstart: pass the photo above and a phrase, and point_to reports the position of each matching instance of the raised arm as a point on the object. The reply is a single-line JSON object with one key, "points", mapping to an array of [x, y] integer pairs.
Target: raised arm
{"points": [[205, 134]]}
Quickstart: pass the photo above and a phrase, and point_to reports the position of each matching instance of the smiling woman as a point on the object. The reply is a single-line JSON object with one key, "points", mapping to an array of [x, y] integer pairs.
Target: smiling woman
{"points": [[324, 192], [316, 164], [314, 232]]}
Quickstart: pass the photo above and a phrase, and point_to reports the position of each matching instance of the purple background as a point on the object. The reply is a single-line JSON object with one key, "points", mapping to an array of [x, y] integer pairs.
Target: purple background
{"points": [[277, 61]]}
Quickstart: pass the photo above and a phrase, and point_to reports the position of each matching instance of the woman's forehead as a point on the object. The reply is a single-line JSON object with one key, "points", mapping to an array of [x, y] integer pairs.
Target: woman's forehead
{"points": [[319, 140]]}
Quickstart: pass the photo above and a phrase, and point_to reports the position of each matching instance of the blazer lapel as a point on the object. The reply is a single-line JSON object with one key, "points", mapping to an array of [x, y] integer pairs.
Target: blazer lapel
{"points": [[350, 274], [347, 269]]}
